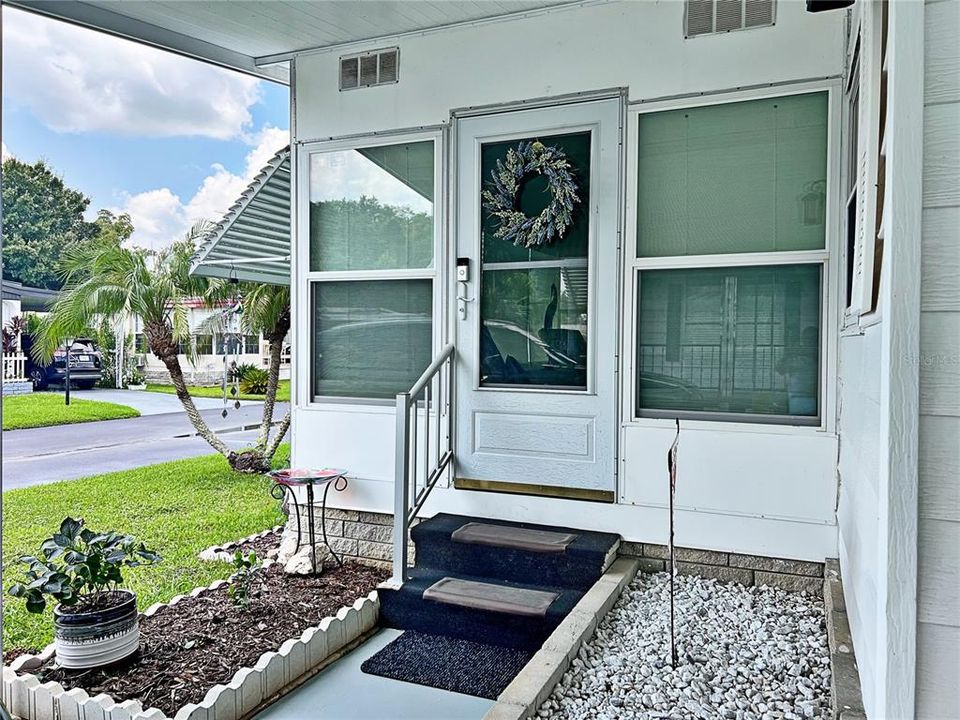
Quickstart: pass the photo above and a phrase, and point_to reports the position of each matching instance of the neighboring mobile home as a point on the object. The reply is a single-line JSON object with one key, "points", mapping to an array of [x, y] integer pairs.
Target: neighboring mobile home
{"points": [[763, 246]]}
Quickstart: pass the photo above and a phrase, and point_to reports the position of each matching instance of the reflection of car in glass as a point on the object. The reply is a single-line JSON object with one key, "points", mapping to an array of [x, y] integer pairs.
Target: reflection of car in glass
{"points": [[513, 356], [85, 364], [668, 393]]}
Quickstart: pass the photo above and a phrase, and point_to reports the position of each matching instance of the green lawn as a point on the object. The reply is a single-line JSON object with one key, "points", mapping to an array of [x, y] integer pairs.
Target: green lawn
{"points": [[283, 391], [177, 508], [43, 409]]}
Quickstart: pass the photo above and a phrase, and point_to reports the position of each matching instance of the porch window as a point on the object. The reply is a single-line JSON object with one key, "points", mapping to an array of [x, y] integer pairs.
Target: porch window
{"points": [[731, 251], [251, 344], [373, 234], [204, 344]]}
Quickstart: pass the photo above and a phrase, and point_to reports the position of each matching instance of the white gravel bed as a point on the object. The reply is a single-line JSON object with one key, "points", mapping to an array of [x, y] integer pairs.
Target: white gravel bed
{"points": [[745, 653]]}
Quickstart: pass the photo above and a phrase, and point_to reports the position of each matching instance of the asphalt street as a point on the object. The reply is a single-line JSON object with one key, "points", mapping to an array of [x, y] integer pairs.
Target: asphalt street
{"points": [[66, 452]]}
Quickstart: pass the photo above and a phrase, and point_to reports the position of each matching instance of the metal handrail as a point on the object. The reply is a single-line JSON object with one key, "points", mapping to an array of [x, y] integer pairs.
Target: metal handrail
{"points": [[432, 391]]}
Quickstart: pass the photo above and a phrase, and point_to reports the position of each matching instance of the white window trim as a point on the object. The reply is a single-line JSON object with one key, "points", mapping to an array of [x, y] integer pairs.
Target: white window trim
{"points": [[831, 312], [868, 34], [306, 279]]}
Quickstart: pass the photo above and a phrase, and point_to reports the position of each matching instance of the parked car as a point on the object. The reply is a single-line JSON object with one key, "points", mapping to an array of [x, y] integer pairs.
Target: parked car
{"points": [[85, 364]]}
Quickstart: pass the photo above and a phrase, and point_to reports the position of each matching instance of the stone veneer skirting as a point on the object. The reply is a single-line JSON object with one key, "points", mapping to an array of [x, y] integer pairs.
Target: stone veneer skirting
{"points": [[368, 537], [17, 387]]}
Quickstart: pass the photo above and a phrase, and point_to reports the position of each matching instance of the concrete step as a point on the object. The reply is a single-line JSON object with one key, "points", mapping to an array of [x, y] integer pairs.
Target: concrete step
{"points": [[513, 552]]}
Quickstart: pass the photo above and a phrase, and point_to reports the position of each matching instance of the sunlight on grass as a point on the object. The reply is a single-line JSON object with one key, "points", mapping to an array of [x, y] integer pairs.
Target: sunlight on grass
{"points": [[176, 508], [43, 409], [283, 391]]}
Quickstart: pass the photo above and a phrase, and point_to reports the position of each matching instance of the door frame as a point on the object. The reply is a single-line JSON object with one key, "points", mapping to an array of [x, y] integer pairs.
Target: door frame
{"points": [[621, 94]]}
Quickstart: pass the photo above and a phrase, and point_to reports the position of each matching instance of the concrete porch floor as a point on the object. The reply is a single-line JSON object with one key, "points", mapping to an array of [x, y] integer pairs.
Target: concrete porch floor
{"points": [[343, 692]]}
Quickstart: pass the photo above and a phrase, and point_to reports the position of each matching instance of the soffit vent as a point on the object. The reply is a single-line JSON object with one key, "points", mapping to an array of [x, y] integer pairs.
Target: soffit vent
{"points": [[377, 67], [707, 17]]}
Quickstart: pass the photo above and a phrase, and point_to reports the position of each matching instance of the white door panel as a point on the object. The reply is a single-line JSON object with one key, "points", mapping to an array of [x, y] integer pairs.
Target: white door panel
{"points": [[537, 330]]}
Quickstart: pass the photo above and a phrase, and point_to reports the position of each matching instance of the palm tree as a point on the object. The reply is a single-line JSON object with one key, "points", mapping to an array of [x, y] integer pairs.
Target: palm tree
{"points": [[104, 279]]}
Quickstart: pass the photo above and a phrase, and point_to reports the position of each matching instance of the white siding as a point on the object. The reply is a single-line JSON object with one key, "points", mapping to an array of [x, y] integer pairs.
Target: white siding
{"points": [[773, 507], [938, 590]]}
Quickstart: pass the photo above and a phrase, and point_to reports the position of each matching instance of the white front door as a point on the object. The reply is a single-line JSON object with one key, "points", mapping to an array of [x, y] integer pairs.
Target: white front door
{"points": [[537, 327]]}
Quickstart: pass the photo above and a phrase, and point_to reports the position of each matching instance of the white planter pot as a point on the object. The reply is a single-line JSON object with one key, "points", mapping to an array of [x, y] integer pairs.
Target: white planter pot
{"points": [[94, 638], [131, 386]]}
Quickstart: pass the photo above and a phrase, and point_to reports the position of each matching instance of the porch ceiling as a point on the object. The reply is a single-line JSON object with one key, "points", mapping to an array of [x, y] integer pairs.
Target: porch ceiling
{"points": [[252, 241], [252, 36]]}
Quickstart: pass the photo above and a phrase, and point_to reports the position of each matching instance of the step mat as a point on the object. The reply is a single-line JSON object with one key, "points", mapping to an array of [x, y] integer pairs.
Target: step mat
{"points": [[461, 666], [517, 538], [490, 596]]}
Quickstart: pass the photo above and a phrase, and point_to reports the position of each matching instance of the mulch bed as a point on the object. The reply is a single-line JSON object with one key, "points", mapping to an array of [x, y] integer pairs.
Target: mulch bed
{"points": [[13, 653], [202, 641]]}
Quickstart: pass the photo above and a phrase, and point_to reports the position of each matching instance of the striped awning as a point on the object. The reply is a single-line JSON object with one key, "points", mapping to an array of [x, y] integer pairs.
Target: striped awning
{"points": [[252, 241]]}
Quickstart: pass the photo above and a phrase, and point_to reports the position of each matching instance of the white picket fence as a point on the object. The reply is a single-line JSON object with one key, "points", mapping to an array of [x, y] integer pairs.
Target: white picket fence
{"points": [[14, 367]]}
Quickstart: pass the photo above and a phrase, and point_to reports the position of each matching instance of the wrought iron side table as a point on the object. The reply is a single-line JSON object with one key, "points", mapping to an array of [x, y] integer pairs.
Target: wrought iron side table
{"points": [[286, 481]]}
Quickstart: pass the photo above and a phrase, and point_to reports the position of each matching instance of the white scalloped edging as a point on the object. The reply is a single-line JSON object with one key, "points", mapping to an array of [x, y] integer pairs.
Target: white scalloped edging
{"points": [[225, 552], [27, 698]]}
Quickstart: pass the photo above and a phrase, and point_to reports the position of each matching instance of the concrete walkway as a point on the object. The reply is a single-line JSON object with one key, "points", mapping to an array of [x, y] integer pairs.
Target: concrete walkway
{"points": [[343, 692], [150, 403], [64, 452]]}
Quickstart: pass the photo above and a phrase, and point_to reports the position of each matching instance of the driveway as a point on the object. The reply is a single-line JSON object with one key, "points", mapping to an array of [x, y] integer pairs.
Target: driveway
{"points": [[151, 403], [65, 452]]}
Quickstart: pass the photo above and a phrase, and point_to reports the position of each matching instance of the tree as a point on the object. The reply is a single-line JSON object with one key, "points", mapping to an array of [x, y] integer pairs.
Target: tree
{"points": [[42, 219], [104, 279]]}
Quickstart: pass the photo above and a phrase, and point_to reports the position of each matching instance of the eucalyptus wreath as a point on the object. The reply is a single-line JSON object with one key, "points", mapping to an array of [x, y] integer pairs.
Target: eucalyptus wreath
{"points": [[500, 197]]}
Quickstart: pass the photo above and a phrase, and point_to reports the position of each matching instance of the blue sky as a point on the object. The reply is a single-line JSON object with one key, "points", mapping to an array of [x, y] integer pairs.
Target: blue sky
{"points": [[167, 139]]}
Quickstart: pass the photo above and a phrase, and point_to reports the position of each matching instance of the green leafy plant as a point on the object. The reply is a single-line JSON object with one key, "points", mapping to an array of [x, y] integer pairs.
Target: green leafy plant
{"points": [[243, 369], [79, 567], [247, 567], [255, 382], [135, 377]]}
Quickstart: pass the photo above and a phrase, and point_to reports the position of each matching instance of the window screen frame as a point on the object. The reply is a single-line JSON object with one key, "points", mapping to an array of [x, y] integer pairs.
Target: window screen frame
{"points": [[307, 278], [827, 258]]}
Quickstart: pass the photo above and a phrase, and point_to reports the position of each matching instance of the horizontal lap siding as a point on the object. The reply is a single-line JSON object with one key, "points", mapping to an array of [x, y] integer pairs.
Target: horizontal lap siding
{"points": [[938, 592]]}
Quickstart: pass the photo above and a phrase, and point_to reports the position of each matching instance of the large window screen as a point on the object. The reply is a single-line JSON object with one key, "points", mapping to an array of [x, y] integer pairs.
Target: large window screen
{"points": [[372, 208], [534, 301], [733, 178], [372, 338], [372, 239], [742, 340]]}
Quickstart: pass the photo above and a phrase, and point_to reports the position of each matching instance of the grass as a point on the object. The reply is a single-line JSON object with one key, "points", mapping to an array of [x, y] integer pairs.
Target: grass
{"points": [[43, 409], [177, 508], [283, 391]]}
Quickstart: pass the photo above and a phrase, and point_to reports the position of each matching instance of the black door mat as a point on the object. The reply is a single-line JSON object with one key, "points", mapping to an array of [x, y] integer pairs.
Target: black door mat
{"points": [[447, 663]]}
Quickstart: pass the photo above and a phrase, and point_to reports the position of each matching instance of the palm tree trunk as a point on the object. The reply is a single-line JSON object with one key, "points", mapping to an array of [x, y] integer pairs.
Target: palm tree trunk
{"points": [[172, 363], [278, 438], [269, 401]]}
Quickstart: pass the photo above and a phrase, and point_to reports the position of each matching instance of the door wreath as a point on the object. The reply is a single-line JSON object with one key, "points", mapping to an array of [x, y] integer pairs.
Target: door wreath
{"points": [[500, 197]]}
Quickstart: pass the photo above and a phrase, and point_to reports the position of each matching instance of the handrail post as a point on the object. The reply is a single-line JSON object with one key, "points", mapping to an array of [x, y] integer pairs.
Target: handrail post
{"points": [[400, 490]]}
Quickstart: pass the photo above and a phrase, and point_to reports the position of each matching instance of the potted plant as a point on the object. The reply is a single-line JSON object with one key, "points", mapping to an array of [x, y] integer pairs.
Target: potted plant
{"points": [[95, 621], [136, 381]]}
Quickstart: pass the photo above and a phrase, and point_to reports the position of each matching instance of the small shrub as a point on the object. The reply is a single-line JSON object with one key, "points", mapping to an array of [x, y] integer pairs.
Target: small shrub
{"points": [[255, 382], [247, 567], [242, 370]]}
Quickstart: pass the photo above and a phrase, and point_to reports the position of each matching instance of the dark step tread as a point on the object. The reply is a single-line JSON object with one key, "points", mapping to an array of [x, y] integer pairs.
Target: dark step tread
{"points": [[495, 597], [585, 543], [509, 536]]}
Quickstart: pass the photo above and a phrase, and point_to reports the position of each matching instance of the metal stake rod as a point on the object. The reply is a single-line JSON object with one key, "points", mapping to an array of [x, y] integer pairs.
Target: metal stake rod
{"points": [[67, 391], [672, 467]]}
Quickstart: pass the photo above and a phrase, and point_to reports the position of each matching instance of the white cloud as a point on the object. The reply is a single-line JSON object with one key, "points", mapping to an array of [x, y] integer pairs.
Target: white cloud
{"points": [[78, 80], [4, 153], [160, 216]]}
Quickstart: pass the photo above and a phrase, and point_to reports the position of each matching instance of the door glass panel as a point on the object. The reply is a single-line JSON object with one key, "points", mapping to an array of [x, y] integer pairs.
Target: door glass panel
{"points": [[733, 178], [371, 338], [742, 340], [372, 208], [534, 301]]}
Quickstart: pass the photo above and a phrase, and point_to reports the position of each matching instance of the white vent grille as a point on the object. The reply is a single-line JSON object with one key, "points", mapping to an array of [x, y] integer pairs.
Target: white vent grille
{"points": [[706, 17], [377, 67]]}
